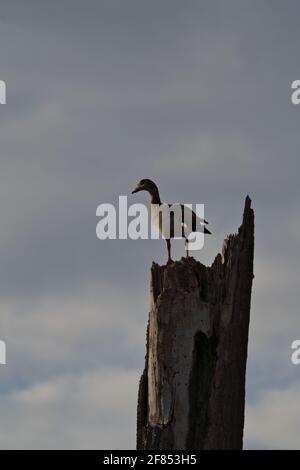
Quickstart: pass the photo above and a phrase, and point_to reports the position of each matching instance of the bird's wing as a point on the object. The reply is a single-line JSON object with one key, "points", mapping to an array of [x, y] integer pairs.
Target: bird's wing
{"points": [[190, 215], [186, 218], [192, 222]]}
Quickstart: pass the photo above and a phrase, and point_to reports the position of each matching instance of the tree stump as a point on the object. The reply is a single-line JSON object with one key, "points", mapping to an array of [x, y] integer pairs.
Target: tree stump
{"points": [[192, 391]]}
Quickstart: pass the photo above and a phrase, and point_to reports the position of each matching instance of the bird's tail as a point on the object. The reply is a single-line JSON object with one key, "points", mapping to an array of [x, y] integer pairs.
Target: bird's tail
{"points": [[207, 231]]}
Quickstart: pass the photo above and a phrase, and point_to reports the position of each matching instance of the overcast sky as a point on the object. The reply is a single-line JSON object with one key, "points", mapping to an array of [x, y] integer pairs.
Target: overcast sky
{"points": [[101, 93]]}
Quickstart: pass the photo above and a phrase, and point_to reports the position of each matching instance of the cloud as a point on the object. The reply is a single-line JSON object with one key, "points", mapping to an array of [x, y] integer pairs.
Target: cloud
{"points": [[273, 422], [92, 410], [100, 95], [95, 327]]}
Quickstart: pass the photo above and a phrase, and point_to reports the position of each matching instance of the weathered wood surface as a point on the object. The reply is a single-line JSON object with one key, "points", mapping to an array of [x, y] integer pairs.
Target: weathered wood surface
{"points": [[192, 391]]}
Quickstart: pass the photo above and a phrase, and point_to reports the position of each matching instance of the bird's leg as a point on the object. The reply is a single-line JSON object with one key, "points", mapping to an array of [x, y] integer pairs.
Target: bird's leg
{"points": [[186, 243], [169, 251]]}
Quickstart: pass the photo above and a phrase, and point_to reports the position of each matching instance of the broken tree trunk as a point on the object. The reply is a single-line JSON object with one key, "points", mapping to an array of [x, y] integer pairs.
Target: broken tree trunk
{"points": [[192, 391]]}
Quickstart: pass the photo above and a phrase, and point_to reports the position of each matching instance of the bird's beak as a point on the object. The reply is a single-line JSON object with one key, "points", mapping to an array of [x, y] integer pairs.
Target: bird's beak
{"points": [[136, 190]]}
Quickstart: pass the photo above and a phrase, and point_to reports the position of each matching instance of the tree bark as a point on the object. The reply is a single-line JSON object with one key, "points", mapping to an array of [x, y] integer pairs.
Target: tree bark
{"points": [[192, 391]]}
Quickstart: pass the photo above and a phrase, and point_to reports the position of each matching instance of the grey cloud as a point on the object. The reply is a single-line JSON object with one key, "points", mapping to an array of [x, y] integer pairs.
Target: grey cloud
{"points": [[194, 95], [273, 422], [94, 410]]}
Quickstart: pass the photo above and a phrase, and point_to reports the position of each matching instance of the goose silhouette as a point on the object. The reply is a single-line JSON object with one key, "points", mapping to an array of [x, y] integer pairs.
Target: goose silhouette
{"points": [[168, 221]]}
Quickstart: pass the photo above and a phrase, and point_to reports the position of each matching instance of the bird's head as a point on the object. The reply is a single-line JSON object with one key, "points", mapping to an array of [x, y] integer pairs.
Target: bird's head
{"points": [[145, 185]]}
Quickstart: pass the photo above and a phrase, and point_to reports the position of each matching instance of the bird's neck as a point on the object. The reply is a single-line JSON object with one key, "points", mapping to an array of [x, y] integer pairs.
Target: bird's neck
{"points": [[155, 198]]}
